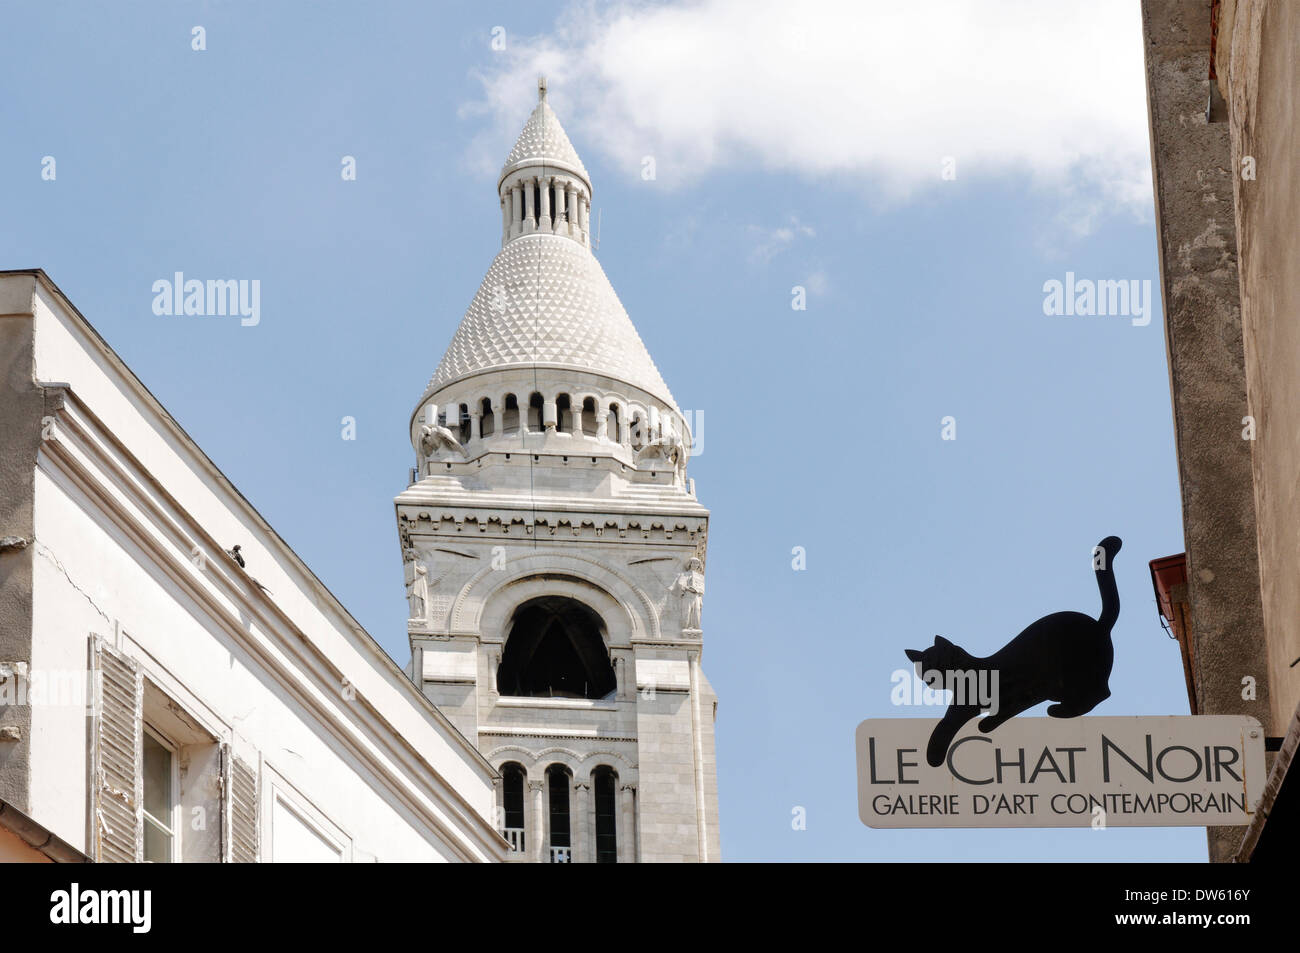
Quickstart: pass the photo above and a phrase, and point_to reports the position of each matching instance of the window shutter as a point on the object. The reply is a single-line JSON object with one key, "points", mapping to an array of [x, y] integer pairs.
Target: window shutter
{"points": [[239, 801], [116, 776]]}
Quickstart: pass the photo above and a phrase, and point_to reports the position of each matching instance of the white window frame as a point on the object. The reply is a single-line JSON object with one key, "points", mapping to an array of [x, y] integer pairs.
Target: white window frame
{"points": [[174, 789]]}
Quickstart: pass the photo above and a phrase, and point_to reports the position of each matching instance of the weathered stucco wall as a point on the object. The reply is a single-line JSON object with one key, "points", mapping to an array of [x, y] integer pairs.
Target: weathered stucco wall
{"points": [[20, 413], [1194, 181], [14, 850], [1260, 80]]}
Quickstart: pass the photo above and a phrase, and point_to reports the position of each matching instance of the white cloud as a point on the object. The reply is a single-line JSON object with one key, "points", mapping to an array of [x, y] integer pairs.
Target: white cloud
{"points": [[873, 94], [768, 242], [818, 283]]}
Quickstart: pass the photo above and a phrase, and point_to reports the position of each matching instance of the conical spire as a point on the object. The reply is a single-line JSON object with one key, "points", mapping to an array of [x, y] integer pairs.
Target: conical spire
{"points": [[544, 142], [545, 300]]}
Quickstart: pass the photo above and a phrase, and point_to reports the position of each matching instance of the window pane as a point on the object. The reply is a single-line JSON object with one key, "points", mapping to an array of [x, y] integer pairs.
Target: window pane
{"points": [[157, 779], [513, 796], [558, 780], [606, 818], [157, 843]]}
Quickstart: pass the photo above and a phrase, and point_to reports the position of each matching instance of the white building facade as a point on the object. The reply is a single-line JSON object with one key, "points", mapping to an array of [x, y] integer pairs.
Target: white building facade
{"points": [[162, 699], [555, 549]]}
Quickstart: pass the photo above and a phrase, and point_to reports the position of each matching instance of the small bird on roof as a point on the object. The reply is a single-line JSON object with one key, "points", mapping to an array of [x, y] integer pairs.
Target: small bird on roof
{"points": [[234, 554]]}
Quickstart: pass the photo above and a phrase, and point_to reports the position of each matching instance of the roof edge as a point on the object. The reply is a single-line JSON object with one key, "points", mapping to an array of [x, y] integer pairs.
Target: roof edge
{"points": [[377, 650]]}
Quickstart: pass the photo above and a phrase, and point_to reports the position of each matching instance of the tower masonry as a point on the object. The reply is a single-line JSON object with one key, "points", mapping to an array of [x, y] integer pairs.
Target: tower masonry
{"points": [[554, 549]]}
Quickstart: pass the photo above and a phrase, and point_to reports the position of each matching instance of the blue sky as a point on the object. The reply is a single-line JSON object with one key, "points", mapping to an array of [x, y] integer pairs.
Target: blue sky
{"points": [[821, 427]]}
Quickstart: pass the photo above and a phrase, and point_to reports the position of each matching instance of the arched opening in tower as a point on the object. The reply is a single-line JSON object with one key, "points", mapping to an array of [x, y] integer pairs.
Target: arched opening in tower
{"points": [[564, 414], [510, 415], [535, 406], [555, 649], [605, 788]]}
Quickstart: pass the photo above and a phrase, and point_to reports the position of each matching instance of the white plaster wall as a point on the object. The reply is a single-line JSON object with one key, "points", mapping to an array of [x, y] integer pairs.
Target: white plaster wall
{"points": [[250, 709], [124, 589], [66, 353]]}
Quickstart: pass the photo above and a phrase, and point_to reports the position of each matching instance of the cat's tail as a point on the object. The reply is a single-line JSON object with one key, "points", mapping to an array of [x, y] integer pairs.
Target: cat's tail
{"points": [[1103, 557]]}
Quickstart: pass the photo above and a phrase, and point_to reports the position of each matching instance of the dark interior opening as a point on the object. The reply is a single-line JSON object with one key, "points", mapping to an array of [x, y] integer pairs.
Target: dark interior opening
{"points": [[606, 815], [465, 429], [563, 414], [512, 795], [510, 415], [557, 779], [555, 649]]}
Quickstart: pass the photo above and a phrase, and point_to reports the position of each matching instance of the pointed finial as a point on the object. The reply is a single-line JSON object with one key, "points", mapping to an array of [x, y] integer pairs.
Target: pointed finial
{"points": [[541, 89]]}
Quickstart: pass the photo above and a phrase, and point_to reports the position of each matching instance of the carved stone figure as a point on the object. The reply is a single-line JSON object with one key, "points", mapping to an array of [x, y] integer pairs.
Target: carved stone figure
{"points": [[417, 585], [668, 447], [690, 585], [435, 438]]}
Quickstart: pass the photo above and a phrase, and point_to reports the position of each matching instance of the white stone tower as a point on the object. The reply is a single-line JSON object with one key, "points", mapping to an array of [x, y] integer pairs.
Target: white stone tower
{"points": [[554, 547]]}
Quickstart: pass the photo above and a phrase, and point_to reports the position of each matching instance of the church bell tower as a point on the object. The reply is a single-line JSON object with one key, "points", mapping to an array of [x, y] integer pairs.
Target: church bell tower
{"points": [[554, 548]]}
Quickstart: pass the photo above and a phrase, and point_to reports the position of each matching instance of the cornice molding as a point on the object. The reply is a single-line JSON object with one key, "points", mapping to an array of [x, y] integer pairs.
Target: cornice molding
{"points": [[541, 733], [79, 449], [555, 523]]}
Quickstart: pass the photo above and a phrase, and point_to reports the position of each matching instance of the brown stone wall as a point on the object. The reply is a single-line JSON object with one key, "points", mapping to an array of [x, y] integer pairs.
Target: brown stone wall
{"points": [[1194, 181], [1259, 73]]}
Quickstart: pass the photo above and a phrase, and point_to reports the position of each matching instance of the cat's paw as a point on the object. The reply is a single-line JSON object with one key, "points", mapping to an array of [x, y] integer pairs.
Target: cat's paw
{"points": [[1060, 710]]}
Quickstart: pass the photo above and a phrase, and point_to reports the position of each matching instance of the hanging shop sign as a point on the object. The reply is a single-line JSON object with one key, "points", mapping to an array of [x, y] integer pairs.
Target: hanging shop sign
{"points": [[1139, 771]]}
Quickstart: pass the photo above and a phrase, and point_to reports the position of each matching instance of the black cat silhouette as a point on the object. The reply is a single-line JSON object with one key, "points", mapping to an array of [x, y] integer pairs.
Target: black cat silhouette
{"points": [[1064, 657]]}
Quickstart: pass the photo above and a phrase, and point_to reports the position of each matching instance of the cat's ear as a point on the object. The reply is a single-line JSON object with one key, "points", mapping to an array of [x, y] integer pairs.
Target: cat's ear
{"points": [[913, 654], [940, 641]]}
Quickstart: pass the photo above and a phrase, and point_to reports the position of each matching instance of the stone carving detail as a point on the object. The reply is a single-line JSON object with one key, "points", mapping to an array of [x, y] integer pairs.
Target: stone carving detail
{"points": [[439, 606], [435, 438], [690, 588], [428, 571], [417, 584], [669, 448]]}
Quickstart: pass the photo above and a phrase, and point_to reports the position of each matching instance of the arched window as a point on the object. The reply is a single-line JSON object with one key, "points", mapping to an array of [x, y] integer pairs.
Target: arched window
{"points": [[463, 420], [611, 426], [605, 790], [589, 416], [510, 415], [487, 420], [564, 414], [512, 806], [535, 412], [558, 784], [555, 649], [638, 430]]}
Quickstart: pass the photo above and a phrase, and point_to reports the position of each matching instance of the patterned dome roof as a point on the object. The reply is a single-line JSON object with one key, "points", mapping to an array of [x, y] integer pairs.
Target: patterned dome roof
{"points": [[546, 300], [544, 139]]}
